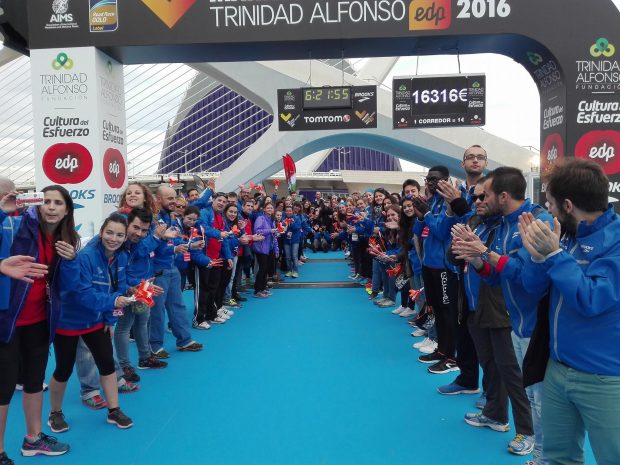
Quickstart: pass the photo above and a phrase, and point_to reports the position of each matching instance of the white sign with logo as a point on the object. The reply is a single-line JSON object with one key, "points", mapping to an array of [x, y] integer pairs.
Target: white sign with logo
{"points": [[79, 129]]}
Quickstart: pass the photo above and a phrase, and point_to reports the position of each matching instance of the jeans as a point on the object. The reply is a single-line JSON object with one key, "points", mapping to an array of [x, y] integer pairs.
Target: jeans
{"points": [[574, 402], [377, 276], [389, 286], [229, 286], [534, 394], [140, 322], [87, 372], [290, 252], [171, 301]]}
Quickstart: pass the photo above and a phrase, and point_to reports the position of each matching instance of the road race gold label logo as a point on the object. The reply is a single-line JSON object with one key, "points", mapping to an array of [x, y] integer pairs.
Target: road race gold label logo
{"points": [[103, 16], [430, 14], [169, 11]]}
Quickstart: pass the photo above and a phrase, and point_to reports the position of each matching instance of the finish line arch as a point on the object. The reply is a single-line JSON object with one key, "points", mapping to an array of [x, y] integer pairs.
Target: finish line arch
{"points": [[567, 46]]}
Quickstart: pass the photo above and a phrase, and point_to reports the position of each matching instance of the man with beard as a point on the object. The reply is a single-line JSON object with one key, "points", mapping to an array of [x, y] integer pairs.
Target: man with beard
{"points": [[581, 272], [167, 276], [501, 263]]}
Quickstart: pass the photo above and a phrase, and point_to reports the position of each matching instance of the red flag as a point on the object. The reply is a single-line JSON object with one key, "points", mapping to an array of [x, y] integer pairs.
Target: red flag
{"points": [[290, 172]]}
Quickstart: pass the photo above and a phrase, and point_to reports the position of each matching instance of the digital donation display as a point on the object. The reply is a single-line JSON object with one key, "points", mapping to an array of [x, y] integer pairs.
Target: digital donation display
{"points": [[438, 101], [339, 107]]}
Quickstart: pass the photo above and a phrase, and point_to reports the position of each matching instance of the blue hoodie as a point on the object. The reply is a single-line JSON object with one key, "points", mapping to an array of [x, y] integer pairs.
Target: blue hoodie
{"points": [[64, 277], [507, 242], [91, 302], [584, 282]]}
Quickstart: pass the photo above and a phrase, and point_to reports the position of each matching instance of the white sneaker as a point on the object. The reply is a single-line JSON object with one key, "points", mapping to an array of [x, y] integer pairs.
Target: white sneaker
{"points": [[203, 325], [397, 311], [407, 312], [227, 311], [221, 314], [419, 332], [424, 342], [218, 320], [429, 348]]}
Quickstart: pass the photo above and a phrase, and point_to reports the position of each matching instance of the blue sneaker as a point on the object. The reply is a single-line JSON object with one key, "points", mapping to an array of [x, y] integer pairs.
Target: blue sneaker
{"points": [[482, 401], [478, 419], [453, 389], [43, 445], [521, 445]]}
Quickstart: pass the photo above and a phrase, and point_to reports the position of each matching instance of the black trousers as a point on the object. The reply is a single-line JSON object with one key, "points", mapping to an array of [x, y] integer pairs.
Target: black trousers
{"points": [[28, 351], [237, 279], [264, 263], [201, 313], [466, 355], [65, 349], [366, 259], [441, 289], [221, 288], [504, 380]]}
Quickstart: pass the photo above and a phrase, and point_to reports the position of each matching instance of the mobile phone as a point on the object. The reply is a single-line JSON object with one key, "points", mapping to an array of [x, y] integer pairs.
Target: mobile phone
{"points": [[29, 199]]}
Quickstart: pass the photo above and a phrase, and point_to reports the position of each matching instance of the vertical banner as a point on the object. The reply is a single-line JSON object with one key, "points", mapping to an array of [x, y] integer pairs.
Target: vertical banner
{"points": [[79, 129]]}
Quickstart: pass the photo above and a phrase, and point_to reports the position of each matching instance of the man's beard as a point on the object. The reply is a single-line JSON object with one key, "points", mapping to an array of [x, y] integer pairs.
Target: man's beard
{"points": [[567, 222]]}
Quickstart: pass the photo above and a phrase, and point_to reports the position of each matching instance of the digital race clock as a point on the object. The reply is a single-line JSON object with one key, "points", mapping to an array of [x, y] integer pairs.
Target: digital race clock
{"points": [[326, 97]]}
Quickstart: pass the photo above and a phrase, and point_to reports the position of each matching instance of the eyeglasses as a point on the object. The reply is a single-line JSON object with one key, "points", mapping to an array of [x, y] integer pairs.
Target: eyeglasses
{"points": [[472, 157], [475, 198], [433, 179]]}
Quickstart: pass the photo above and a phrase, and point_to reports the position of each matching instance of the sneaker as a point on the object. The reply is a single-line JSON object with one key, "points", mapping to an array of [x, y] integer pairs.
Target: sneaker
{"points": [[227, 312], [130, 374], [128, 388], [529, 462], [424, 342], [399, 310], [419, 332], [239, 298], [43, 445], [407, 312], [478, 419], [295, 274], [5, 460], [232, 303], [433, 357], [382, 299], [482, 401], [453, 389], [118, 418], [218, 321], [289, 274], [204, 325], [192, 346], [443, 366], [386, 303], [95, 402], [260, 295], [373, 296], [521, 445], [429, 348], [151, 363], [221, 314], [161, 354], [56, 422]]}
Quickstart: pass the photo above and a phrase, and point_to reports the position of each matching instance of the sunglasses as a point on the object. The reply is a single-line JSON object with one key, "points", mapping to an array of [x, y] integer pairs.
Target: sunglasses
{"points": [[480, 197], [434, 179]]}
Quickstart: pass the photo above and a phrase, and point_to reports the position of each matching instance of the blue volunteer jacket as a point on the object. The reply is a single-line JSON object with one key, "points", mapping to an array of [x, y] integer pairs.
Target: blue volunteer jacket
{"points": [[10, 225], [164, 253], [64, 277], [140, 259], [91, 302], [520, 301], [435, 230], [584, 305], [293, 231]]}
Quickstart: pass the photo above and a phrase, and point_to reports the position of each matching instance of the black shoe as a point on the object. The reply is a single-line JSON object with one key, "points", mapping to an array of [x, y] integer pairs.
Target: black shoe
{"points": [[161, 354], [151, 362], [57, 423], [443, 366], [431, 358], [130, 375], [5, 460], [238, 298], [118, 418]]}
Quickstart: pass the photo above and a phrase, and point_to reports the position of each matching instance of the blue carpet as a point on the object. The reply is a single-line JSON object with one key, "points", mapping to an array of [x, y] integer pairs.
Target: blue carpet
{"points": [[307, 377]]}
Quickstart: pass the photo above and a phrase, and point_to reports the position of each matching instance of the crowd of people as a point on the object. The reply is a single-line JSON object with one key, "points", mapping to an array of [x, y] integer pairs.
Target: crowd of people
{"points": [[520, 301]]}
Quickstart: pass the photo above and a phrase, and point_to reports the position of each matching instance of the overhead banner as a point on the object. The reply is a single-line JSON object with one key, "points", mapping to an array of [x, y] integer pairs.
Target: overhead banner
{"points": [[79, 129], [319, 108], [438, 101]]}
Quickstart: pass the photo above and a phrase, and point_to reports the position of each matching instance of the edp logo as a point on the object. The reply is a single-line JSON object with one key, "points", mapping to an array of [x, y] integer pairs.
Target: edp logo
{"points": [[604, 152], [114, 168], [68, 163], [552, 154]]}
